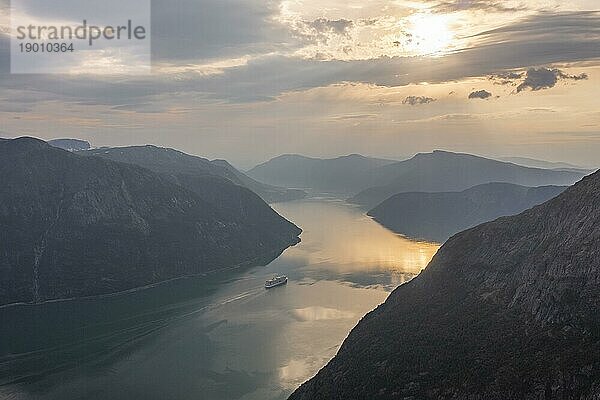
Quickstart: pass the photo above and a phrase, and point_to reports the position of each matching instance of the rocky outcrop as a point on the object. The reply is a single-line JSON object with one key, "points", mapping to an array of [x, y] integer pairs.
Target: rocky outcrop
{"points": [[74, 226], [505, 310]]}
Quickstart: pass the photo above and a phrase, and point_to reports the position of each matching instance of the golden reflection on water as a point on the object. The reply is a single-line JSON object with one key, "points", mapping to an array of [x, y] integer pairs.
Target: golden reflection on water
{"points": [[294, 371], [320, 314], [344, 267], [359, 245], [319, 318], [342, 240]]}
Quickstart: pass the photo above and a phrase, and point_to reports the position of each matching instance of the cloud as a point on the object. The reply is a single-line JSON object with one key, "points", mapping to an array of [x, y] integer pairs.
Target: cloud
{"points": [[198, 30], [480, 94], [545, 78], [542, 39], [322, 31], [505, 78], [208, 29], [416, 100], [149, 108], [354, 117], [338, 26], [14, 108], [484, 5]]}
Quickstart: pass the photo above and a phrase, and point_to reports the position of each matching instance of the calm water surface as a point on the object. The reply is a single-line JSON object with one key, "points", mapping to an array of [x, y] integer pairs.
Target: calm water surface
{"points": [[217, 337]]}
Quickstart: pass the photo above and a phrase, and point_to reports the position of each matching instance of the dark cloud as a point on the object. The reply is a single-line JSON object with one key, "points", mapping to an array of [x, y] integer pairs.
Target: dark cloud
{"points": [[484, 5], [480, 94], [193, 30], [416, 100], [506, 78], [555, 27], [204, 29], [510, 75], [534, 78], [545, 78]]}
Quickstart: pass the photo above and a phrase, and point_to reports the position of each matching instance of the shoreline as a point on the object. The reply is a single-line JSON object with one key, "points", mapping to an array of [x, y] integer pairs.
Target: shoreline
{"points": [[247, 263]]}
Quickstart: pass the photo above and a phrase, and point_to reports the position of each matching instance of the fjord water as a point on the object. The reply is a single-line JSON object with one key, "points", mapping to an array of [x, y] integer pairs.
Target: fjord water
{"points": [[221, 336]]}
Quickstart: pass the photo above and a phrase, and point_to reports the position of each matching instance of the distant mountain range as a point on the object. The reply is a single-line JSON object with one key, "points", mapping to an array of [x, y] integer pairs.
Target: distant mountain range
{"points": [[370, 181], [532, 162], [443, 171], [343, 175], [191, 171], [506, 310], [73, 225], [437, 216]]}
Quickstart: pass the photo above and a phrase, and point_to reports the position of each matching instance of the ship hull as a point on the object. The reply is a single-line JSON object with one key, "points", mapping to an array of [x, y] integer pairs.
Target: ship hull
{"points": [[272, 285]]}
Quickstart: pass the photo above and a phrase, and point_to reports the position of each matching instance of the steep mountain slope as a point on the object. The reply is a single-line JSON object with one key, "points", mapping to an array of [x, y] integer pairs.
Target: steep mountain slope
{"points": [[443, 171], [269, 193], [506, 310], [191, 171], [347, 174], [77, 226], [437, 216]]}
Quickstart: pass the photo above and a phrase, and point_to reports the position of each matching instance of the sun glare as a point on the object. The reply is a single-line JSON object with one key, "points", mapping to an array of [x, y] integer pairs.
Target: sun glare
{"points": [[429, 34]]}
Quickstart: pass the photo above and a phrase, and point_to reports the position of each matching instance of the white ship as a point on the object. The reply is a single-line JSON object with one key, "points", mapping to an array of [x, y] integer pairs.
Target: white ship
{"points": [[276, 281]]}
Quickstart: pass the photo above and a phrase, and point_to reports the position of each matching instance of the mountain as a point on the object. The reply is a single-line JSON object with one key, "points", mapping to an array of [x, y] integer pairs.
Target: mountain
{"points": [[191, 171], [70, 144], [442, 171], [269, 193], [505, 310], [437, 216], [532, 162], [346, 175], [74, 226]]}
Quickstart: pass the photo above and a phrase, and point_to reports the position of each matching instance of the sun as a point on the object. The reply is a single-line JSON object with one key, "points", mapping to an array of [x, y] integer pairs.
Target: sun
{"points": [[429, 34]]}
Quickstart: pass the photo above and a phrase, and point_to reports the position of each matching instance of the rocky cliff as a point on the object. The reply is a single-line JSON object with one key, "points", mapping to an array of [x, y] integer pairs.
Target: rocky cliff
{"points": [[506, 310]]}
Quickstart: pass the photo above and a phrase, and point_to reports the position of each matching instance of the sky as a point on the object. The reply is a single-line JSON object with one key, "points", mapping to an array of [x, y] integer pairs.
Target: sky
{"points": [[247, 80]]}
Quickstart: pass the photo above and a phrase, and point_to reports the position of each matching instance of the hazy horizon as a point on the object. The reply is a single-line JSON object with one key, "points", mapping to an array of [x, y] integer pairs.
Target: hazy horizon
{"points": [[247, 166], [323, 79]]}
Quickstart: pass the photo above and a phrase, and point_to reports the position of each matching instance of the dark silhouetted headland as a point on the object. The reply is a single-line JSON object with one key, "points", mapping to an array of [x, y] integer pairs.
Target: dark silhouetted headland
{"points": [[437, 216], [506, 310], [73, 226]]}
